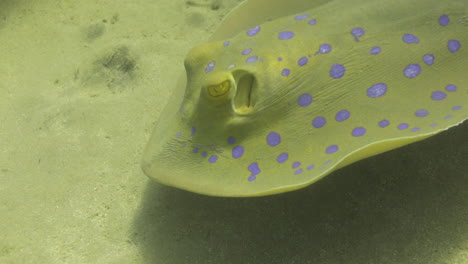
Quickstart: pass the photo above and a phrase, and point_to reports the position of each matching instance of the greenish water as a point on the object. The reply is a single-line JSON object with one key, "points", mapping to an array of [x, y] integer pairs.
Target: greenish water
{"points": [[82, 85]]}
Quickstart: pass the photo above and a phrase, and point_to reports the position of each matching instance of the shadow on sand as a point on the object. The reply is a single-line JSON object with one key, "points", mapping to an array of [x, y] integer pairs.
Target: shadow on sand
{"points": [[405, 206]]}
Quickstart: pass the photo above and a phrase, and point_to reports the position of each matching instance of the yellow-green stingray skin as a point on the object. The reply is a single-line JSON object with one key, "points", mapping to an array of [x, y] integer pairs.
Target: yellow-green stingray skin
{"points": [[273, 105]]}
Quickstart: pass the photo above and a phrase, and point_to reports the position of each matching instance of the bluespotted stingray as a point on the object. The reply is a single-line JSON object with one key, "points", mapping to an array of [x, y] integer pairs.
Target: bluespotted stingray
{"points": [[286, 92]]}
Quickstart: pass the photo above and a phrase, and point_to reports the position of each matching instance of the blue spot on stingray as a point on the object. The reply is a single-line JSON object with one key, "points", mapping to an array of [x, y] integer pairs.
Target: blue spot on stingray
{"points": [[421, 113], [251, 59], [231, 140], [253, 31], [304, 100], [453, 45], [302, 61], [273, 139], [284, 35], [342, 115], [332, 149], [403, 126], [412, 70], [337, 71], [377, 90], [375, 50], [255, 170], [384, 123], [438, 95], [300, 17], [210, 66], [246, 51], [444, 20], [237, 152], [296, 164], [282, 157], [358, 132], [410, 39], [324, 49], [319, 122], [213, 158], [429, 59], [299, 171], [451, 88], [357, 33]]}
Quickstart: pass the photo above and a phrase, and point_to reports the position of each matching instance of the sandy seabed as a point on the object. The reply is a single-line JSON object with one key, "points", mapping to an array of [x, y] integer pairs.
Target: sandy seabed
{"points": [[82, 84]]}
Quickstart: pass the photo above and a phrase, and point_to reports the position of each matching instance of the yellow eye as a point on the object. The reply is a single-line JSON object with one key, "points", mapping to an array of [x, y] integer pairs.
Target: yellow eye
{"points": [[219, 89]]}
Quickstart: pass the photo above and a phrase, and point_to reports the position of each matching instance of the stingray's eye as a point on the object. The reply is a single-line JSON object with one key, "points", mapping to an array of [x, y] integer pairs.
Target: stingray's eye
{"points": [[219, 89]]}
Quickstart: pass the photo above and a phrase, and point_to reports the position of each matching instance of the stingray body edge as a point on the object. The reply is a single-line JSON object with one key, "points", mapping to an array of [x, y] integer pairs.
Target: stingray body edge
{"points": [[281, 104]]}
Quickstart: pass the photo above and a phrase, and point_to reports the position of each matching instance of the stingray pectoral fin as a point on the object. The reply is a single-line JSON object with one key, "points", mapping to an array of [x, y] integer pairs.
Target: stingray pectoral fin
{"points": [[378, 148], [279, 104], [247, 14]]}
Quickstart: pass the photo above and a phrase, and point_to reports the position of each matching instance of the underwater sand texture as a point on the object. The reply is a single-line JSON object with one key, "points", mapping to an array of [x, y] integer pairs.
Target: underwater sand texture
{"points": [[82, 85]]}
